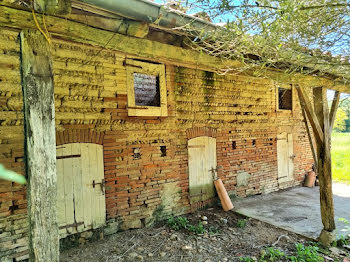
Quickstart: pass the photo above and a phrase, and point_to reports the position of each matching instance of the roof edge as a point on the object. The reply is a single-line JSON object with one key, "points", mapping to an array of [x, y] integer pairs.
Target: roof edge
{"points": [[150, 12]]}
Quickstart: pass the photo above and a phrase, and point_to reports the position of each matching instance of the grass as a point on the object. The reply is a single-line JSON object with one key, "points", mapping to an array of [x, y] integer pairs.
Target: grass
{"points": [[341, 157]]}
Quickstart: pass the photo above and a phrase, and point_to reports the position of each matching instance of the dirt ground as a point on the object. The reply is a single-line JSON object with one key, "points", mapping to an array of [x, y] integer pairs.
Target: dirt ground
{"points": [[227, 239]]}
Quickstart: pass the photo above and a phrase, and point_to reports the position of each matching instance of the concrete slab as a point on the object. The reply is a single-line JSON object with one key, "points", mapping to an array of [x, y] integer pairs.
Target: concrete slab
{"points": [[297, 209]]}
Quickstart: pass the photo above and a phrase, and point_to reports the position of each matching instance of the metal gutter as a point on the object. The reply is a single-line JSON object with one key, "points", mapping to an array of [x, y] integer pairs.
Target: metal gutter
{"points": [[152, 13]]}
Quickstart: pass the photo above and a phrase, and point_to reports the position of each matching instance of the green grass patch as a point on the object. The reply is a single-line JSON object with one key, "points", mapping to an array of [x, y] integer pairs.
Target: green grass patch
{"points": [[341, 157]]}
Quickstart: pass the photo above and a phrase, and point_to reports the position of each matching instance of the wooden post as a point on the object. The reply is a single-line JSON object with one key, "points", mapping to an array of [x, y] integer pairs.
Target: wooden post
{"points": [[324, 167], [40, 147], [320, 120]]}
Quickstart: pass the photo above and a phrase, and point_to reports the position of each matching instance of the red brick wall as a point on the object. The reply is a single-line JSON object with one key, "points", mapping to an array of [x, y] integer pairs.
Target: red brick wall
{"points": [[91, 106]]}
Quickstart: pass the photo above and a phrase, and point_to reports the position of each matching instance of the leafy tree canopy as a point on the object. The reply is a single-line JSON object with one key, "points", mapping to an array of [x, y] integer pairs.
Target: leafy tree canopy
{"points": [[307, 36]]}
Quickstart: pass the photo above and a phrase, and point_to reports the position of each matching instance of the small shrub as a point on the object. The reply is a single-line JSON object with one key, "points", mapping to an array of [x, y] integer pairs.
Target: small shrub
{"points": [[199, 229], [241, 223], [306, 253], [273, 254], [178, 223]]}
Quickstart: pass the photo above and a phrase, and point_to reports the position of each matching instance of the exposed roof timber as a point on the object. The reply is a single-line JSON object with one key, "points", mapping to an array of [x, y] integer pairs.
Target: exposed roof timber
{"points": [[64, 28]]}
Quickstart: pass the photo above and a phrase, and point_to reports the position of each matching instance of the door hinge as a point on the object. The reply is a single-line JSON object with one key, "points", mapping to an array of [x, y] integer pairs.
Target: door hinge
{"points": [[102, 185]]}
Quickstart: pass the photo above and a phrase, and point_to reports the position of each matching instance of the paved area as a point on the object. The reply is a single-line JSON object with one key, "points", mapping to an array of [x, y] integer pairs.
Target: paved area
{"points": [[297, 209]]}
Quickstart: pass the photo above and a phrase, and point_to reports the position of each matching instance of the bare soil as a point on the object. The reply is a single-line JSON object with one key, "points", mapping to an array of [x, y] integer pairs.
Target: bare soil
{"points": [[224, 241]]}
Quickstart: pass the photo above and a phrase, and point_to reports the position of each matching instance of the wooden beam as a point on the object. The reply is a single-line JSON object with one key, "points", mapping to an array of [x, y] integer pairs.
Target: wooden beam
{"points": [[306, 105], [66, 28], [310, 138], [324, 168], [40, 141], [80, 32], [333, 112]]}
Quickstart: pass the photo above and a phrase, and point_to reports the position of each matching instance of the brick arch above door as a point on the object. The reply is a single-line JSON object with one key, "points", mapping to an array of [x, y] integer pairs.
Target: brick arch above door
{"points": [[79, 136], [200, 131]]}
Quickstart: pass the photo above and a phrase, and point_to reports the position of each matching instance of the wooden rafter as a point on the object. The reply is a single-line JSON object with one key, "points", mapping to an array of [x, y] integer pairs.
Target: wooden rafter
{"points": [[313, 150], [334, 108], [306, 105]]}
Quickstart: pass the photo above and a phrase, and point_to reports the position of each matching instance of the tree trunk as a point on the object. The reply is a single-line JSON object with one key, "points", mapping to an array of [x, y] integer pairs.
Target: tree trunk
{"points": [[324, 168], [40, 148]]}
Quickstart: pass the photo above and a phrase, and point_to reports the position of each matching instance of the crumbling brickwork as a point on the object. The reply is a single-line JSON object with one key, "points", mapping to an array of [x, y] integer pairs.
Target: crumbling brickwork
{"points": [[143, 183]]}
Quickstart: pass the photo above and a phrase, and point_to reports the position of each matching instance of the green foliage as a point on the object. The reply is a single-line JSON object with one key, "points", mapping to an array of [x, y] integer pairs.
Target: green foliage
{"points": [[241, 223], [178, 223], [198, 229], [339, 122], [273, 254], [306, 254], [247, 259], [340, 157], [288, 34], [302, 254]]}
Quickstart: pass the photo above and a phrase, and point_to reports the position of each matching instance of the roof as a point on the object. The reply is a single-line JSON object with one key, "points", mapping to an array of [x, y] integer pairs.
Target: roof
{"points": [[149, 12]]}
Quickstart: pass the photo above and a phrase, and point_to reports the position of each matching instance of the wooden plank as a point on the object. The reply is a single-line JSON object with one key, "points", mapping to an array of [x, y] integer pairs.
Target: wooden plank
{"points": [[87, 186], [282, 157], [95, 191], [101, 199], [195, 168], [290, 157], [61, 207], [68, 187], [212, 165], [333, 112], [40, 146], [306, 105], [77, 187]]}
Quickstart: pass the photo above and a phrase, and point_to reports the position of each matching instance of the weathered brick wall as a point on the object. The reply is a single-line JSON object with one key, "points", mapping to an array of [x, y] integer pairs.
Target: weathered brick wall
{"points": [[91, 106], [243, 110], [13, 222]]}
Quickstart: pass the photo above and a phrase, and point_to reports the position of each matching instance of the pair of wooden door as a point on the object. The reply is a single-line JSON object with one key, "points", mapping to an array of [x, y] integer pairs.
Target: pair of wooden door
{"points": [[80, 193], [202, 167], [285, 157]]}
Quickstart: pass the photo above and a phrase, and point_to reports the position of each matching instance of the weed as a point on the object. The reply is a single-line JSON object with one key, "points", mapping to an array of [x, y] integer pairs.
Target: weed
{"points": [[342, 241], [178, 223], [213, 230], [247, 259], [272, 254], [199, 229], [303, 254], [241, 223], [306, 253]]}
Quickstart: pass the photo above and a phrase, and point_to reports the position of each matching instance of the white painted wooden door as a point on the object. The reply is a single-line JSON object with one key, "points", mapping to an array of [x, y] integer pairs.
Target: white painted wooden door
{"points": [[285, 157], [201, 164], [80, 179]]}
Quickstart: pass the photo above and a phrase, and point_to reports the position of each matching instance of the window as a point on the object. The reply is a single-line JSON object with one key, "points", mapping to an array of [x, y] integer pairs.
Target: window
{"points": [[285, 98], [146, 88]]}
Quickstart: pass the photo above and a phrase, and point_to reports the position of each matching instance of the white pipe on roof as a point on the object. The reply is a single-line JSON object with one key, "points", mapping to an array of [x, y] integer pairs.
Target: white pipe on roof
{"points": [[150, 12]]}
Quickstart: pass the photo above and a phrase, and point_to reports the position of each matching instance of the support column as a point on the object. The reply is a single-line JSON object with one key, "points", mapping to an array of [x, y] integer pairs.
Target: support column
{"points": [[40, 146], [321, 121], [324, 168]]}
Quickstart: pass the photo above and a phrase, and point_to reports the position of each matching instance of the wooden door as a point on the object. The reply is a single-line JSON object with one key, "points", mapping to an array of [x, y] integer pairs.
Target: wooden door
{"points": [[80, 179], [202, 164], [285, 157]]}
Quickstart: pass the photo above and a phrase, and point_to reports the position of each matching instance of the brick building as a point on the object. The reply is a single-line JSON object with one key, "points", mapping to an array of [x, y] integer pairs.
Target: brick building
{"points": [[142, 125]]}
